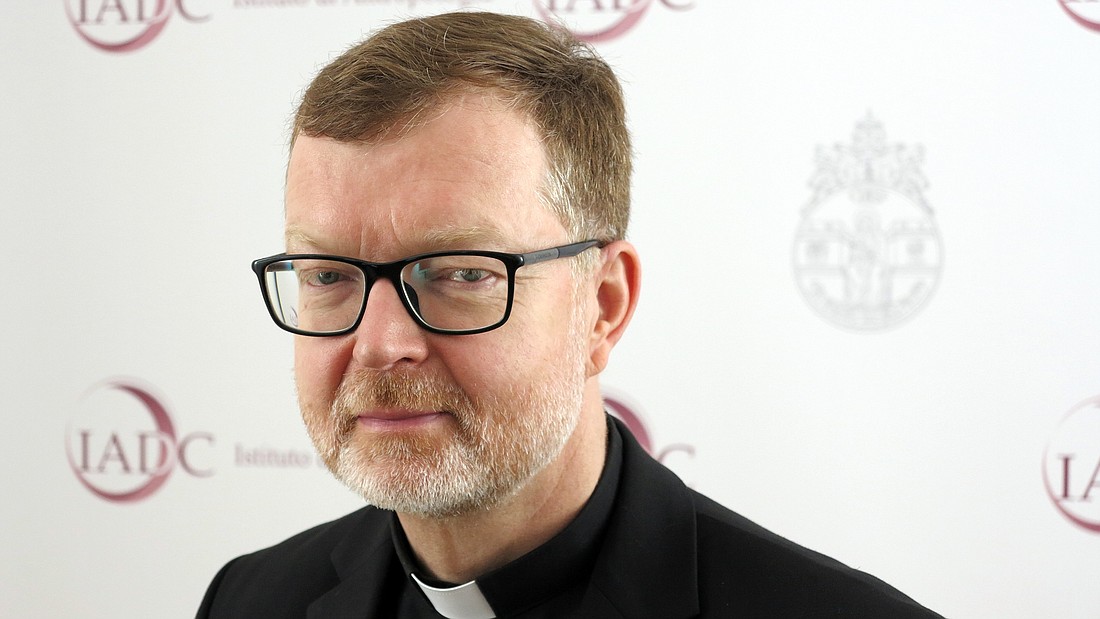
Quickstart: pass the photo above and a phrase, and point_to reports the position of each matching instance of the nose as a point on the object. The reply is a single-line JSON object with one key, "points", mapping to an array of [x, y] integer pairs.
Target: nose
{"points": [[387, 337]]}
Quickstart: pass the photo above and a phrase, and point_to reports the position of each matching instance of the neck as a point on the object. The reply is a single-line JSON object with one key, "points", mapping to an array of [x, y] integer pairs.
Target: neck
{"points": [[460, 548]]}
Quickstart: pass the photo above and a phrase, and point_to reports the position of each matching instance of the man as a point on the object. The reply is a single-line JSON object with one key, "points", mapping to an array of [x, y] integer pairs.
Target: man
{"points": [[457, 275]]}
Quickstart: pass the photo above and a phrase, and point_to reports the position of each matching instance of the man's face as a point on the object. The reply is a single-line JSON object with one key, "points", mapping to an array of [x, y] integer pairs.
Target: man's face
{"points": [[418, 422]]}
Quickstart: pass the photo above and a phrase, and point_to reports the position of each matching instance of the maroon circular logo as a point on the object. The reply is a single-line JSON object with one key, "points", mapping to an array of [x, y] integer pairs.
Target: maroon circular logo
{"points": [[1071, 466], [1084, 12], [126, 25], [123, 445], [598, 21]]}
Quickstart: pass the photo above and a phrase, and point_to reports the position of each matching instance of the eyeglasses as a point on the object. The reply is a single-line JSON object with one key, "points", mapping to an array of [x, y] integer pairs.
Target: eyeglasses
{"points": [[452, 292]]}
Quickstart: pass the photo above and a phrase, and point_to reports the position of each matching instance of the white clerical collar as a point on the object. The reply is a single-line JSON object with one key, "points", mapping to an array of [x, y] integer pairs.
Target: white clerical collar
{"points": [[461, 602]]}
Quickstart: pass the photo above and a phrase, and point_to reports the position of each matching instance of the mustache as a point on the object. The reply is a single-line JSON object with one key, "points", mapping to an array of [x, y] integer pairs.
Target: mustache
{"points": [[371, 389]]}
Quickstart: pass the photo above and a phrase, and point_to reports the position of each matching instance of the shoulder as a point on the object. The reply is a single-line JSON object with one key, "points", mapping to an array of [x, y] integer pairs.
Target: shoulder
{"points": [[746, 568], [308, 551], [741, 568], [291, 574]]}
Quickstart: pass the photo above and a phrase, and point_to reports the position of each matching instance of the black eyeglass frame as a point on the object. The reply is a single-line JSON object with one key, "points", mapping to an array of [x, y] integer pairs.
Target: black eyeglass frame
{"points": [[391, 271]]}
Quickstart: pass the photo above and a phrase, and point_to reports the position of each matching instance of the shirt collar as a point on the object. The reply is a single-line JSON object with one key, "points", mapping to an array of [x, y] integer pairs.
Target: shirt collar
{"points": [[461, 602], [536, 576]]}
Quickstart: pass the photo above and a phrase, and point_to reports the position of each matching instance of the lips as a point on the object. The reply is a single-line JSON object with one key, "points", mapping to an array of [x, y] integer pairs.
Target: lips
{"points": [[398, 419]]}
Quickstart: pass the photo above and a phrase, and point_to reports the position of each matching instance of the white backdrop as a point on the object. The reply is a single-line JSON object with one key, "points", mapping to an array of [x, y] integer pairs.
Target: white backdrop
{"points": [[876, 380]]}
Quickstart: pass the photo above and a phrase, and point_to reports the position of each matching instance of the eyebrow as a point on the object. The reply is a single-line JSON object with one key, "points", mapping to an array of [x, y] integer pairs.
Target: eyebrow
{"points": [[448, 237], [295, 235], [456, 236]]}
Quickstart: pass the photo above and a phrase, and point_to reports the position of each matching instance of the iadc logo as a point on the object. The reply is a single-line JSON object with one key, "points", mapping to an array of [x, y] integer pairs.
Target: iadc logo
{"points": [[1084, 12], [127, 25], [1071, 466], [122, 444], [867, 255], [598, 21]]}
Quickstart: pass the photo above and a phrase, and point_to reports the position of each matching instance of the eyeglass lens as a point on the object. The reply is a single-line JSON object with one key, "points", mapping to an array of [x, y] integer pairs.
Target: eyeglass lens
{"points": [[448, 292]]}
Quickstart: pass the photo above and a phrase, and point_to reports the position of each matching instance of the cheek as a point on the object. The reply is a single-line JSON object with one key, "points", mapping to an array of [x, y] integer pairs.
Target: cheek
{"points": [[319, 367], [521, 353], [477, 364]]}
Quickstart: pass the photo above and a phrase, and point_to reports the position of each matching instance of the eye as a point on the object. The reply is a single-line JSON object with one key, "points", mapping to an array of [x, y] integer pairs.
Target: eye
{"points": [[324, 274], [469, 275], [326, 278]]}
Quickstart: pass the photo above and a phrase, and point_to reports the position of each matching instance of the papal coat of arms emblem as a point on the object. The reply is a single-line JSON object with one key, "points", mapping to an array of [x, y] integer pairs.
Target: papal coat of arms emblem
{"points": [[867, 255]]}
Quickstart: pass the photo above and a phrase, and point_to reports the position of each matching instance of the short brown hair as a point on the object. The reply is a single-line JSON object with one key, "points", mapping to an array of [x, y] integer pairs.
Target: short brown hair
{"points": [[382, 86]]}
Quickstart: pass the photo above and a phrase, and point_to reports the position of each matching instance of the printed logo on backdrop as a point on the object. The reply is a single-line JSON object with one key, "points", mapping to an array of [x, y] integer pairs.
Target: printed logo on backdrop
{"points": [[129, 25], [1071, 466], [123, 445], [599, 21], [404, 5], [867, 255], [1084, 12], [630, 415]]}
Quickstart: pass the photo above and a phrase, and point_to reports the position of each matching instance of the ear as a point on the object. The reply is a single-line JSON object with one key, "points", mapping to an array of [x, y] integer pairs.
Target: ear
{"points": [[618, 283]]}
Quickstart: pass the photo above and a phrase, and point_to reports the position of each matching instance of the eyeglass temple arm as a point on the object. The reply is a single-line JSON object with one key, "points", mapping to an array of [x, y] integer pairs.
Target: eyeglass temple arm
{"points": [[565, 251]]}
